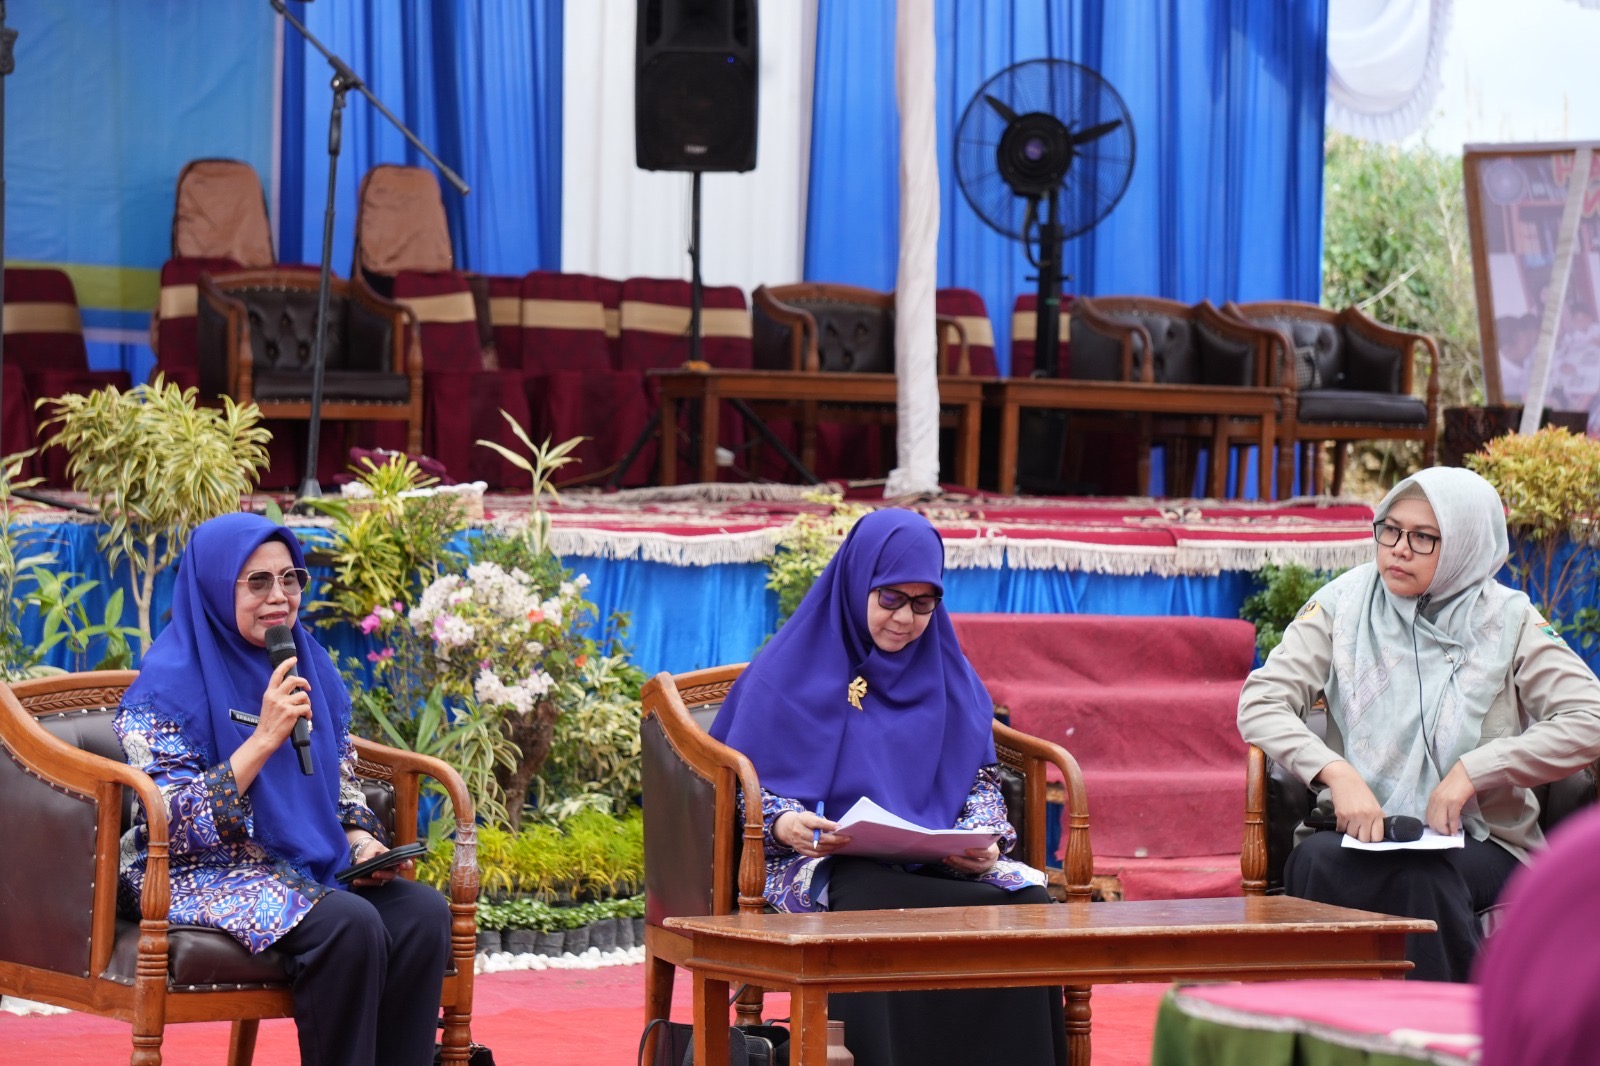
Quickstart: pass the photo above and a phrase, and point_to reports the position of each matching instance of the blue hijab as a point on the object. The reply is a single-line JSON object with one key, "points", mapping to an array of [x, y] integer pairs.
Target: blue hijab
{"points": [[200, 668], [924, 728]]}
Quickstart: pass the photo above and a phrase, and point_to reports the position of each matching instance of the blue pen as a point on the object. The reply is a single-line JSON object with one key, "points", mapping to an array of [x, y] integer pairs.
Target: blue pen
{"points": [[816, 834]]}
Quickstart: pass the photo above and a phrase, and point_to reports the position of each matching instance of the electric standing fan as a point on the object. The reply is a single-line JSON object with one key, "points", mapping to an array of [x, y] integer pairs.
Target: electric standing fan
{"points": [[1044, 151]]}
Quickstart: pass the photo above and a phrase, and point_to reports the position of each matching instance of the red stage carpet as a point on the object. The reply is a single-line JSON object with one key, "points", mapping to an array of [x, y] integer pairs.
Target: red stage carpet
{"points": [[528, 1018], [1148, 708]]}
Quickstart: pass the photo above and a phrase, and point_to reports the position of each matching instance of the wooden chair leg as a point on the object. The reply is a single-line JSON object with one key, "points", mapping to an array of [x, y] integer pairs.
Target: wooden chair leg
{"points": [[1340, 453], [242, 1041], [1286, 456], [658, 976], [747, 1009], [1077, 1010]]}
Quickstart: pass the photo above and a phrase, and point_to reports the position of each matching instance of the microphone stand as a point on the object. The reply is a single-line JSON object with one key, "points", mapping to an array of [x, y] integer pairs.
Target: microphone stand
{"points": [[344, 79]]}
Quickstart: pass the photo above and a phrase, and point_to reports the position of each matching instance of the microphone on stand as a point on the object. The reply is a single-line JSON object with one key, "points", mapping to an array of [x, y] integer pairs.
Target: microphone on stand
{"points": [[280, 646], [1399, 828]]}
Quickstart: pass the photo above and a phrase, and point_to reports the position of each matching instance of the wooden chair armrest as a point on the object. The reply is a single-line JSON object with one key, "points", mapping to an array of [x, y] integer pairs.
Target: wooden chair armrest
{"points": [[405, 769], [1124, 333], [1268, 342], [802, 328], [1358, 321], [1030, 755], [961, 364], [1253, 851], [405, 353]]}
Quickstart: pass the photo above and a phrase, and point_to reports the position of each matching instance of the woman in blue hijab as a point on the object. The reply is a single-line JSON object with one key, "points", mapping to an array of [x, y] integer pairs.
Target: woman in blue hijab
{"points": [[865, 692], [255, 843]]}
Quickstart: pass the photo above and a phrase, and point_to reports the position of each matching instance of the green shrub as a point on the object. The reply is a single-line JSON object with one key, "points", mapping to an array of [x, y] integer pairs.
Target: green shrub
{"points": [[1283, 591]]}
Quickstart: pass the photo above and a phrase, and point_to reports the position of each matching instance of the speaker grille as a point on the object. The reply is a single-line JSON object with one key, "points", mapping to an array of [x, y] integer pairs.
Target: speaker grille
{"points": [[695, 111]]}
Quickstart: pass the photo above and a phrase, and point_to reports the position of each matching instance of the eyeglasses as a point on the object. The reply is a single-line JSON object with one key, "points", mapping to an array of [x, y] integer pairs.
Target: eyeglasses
{"points": [[1389, 536], [893, 599], [294, 581]]}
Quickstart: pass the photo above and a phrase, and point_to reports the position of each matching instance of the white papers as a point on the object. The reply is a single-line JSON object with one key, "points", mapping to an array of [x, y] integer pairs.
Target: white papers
{"points": [[880, 834], [1430, 841]]}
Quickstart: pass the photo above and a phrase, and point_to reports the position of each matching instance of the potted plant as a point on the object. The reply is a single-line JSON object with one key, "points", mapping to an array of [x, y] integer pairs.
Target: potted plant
{"points": [[491, 926], [156, 465], [1549, 482]]}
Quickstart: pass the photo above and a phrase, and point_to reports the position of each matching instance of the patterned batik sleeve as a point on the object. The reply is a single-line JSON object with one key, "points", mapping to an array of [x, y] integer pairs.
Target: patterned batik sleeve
{"points": [[986, 808], [204, 805], [353, 810], [771, 808]]}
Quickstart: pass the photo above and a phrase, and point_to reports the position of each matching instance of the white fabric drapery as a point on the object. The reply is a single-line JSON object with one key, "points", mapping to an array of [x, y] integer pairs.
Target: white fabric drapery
{"points": [[916, 339], [620, 222], [1383, 65]]}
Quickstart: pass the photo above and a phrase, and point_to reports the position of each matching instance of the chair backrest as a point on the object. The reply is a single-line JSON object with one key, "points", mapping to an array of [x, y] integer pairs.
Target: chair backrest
{"points": [[654, 319], [854, 327], [221, 213], [695, 861], [43, 328], [1024, 330], [562, 323], [1167, 323], [172, 325], [400, 223], [967, 307], [60, 830], [447, 318]]}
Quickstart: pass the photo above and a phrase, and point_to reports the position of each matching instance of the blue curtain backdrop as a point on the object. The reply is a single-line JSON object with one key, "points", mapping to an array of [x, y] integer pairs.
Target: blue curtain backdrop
{"points": [[479, 83], [1227, 104], [108, 102]]}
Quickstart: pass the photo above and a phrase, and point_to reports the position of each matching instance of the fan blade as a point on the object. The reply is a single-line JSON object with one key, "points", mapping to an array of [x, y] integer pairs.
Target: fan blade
{"points": [[1094, 133], [1000, 108]]}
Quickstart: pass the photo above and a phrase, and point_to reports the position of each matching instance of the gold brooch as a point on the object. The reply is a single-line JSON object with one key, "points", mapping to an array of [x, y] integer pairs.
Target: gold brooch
{"points": [[857, 689]]}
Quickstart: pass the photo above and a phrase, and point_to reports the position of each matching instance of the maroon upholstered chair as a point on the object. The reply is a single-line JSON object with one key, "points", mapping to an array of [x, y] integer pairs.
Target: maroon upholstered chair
{"points": [[403, 251], [1024, 327], [17, 421], [653, 321], [573, 388], [44, 340], [172, 324], [963, 314]]}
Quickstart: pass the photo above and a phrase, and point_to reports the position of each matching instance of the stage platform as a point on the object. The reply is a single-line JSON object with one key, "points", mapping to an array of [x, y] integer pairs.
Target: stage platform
{"points": [[688, 564]]}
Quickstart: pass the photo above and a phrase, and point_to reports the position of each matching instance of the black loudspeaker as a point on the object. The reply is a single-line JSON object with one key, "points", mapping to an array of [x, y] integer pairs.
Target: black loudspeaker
{"points": [[694, 96]]}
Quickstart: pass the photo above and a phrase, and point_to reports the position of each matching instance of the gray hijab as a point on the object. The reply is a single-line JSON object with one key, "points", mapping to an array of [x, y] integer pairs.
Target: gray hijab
{"points": [[1413, 676]]}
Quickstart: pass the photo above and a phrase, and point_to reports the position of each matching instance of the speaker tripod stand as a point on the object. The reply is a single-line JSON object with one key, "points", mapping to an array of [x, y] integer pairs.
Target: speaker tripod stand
{"points": [[751, 419]]}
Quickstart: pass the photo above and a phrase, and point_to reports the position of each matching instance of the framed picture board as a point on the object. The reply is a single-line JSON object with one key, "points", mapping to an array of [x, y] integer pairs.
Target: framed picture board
{"points": [[1516, 194]]}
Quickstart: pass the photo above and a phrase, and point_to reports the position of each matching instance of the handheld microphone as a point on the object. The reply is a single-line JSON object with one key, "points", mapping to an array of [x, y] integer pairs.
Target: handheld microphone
{"points": [[280, 646], [1399, 828]]}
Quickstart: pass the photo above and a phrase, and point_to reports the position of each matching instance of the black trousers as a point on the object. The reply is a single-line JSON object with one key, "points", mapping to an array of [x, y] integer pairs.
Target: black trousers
{"points": [[961, 1027], [366, 968], [1450, 887]]}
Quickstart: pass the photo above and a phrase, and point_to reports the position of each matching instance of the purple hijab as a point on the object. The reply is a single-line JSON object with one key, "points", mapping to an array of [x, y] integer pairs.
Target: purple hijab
{"points": [[200, 668], [924, 728]]}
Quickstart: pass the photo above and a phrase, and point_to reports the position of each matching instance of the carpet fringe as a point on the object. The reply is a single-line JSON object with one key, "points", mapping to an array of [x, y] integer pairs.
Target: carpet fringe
{"points": [[674, 550], [709, 492]]}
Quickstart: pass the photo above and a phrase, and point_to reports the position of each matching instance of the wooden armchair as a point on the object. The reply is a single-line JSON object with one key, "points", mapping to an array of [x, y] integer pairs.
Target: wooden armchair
{"points": [[1276, 803], [1351, 378], [256, 332], [1164, 342], [702, 858], [68, 797]]}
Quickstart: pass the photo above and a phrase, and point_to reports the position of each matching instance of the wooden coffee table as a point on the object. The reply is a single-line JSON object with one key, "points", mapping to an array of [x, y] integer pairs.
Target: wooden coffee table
{"points": [[1073, 944]]}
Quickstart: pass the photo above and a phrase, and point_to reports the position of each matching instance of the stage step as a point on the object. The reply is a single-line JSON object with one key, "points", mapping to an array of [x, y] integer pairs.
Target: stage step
{"points": [[1147, 705]]}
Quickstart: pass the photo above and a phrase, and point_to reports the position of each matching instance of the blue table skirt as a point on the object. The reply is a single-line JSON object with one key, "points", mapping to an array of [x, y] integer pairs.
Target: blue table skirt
{"points": [[686, 617]]}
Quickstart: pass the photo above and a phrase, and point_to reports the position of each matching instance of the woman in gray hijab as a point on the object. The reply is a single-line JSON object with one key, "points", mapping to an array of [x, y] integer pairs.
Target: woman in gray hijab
{"points": [[1449, 697]]}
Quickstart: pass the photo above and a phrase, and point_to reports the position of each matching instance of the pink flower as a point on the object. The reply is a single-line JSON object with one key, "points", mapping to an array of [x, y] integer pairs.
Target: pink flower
{"points": [[536, 616], [380, 656], [371, 622], [580, 660]]}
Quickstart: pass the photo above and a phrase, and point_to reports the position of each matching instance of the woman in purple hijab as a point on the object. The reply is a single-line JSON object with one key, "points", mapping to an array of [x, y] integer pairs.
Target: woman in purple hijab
{"points": [[865, 692], [255, 842]]}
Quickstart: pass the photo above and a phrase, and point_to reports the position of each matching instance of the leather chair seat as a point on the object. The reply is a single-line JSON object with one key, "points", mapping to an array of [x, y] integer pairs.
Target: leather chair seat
{"points": [[351, 385], [1354, 405], [198, 958]]}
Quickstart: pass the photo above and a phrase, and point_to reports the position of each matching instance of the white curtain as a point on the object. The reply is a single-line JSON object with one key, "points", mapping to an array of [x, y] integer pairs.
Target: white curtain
{"points": [[619, 221], [1383, 65], [915, 336]]}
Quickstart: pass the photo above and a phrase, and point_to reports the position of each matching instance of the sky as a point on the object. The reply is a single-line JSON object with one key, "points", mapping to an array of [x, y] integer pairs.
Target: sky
{"points": [[1517, 70]]}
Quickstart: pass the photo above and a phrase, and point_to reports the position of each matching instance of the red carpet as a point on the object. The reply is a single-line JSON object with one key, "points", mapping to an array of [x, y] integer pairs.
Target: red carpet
{"points": [[528, 1018], [1148, 708]]}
